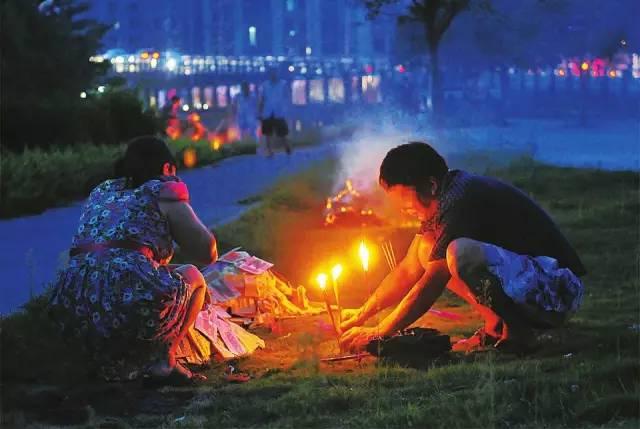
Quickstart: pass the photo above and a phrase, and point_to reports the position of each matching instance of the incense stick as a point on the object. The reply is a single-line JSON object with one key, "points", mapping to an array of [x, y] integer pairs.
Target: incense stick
{"points": [[387, 256], [393, 254]]}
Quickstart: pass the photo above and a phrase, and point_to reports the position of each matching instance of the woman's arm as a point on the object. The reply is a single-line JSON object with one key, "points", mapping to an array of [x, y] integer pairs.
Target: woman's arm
{"points": [[189, 232]]}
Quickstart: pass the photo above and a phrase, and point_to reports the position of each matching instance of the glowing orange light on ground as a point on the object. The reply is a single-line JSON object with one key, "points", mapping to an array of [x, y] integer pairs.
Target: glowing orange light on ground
{"points": [[189, 158], [584, 66], [612, 73], [561, 73], [144, 55], [363, 252]]}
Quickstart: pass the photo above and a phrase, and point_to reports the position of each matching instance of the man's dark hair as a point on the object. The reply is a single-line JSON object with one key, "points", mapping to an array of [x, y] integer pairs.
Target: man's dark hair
{"points": [[174, 99], [143, 160], [413, 164]]}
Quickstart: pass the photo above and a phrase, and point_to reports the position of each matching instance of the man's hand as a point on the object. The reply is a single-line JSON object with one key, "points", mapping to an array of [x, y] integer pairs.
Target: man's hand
{"points": [[350, 319], [357, 338]]}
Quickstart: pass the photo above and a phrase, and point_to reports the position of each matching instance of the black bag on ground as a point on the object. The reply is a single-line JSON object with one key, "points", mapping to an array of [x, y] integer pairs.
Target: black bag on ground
{"points": [[411, 345]]}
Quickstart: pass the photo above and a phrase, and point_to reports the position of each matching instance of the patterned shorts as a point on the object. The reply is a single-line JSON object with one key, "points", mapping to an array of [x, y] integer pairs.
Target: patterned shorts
{"points": [[535, 282]]}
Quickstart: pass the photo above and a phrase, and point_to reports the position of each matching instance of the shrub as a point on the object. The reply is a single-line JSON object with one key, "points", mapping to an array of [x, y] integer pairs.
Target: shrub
{"points": [[109, 118]]}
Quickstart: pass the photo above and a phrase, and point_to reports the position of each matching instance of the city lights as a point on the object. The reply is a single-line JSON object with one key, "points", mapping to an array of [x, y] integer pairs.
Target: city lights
{"points": [[171, 64], [252, 36]]}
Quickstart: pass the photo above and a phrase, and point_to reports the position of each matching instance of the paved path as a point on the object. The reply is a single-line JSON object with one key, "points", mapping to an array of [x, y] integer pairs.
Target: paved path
{"points": [[32, 247]]}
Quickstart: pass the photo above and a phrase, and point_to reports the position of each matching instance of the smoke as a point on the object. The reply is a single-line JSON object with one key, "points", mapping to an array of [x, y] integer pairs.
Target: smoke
{"points": [[375, 135]]}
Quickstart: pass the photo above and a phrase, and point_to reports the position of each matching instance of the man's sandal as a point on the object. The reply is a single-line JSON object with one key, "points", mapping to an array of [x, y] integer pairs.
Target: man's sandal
{"points": [[480, 340]]}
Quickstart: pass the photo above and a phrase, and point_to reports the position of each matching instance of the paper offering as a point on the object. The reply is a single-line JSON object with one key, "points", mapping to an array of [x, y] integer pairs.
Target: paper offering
{"points": [[254, 265], [234, 256]]}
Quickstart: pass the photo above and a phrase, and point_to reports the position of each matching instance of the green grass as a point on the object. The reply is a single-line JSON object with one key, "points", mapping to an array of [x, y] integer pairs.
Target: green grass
{"points": [[587, 375], [36, 179]]}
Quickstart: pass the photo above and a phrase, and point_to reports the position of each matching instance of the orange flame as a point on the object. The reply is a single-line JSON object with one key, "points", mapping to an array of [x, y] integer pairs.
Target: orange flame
{"points": [[336, 271], [346, 202], [322, 281], [364, 256]]}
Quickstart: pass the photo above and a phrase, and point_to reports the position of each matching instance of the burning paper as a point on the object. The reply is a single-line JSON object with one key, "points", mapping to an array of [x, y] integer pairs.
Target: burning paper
{"points": [[349, 208]]}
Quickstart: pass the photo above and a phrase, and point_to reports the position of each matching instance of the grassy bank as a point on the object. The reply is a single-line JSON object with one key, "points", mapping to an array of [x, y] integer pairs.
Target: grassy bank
{"points": [[585, 375], [38, 179]]}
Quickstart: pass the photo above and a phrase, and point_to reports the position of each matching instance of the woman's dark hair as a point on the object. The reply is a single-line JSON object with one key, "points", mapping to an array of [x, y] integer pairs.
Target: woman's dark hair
{"points": [[143, 160], [413, 164]]}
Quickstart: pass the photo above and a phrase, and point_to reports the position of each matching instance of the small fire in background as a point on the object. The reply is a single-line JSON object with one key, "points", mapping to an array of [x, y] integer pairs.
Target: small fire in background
{"points": [[349, 208], [189, 157], [198, 130], [215, 142], [173, 129]]}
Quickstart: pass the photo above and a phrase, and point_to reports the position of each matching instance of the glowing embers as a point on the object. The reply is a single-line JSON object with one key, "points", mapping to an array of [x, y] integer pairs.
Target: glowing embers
{"points": [[349, 208]]}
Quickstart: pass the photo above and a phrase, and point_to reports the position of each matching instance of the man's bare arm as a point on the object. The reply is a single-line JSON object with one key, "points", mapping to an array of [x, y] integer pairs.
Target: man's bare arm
{"points": [[394, 286], [419, 299]]}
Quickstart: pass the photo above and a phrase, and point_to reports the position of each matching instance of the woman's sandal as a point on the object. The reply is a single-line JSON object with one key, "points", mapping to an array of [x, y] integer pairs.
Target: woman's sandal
{"points": [[179, 376]]}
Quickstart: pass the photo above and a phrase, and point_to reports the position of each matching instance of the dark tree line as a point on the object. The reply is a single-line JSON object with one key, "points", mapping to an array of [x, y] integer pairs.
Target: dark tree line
{"points": [[45, 49]]}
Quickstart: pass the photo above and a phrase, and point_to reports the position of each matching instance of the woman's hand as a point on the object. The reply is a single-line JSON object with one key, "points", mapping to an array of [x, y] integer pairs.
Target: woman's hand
{"points": [[356, 339], [207, 296], [351, 318]]}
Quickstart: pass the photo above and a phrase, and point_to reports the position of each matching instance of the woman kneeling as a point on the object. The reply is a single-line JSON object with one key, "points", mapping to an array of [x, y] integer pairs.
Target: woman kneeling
{"points": [[118, 293]]}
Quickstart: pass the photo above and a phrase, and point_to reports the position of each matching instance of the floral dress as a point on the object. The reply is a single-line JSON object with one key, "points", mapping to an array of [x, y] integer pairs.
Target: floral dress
{"points": [[126, 307]]}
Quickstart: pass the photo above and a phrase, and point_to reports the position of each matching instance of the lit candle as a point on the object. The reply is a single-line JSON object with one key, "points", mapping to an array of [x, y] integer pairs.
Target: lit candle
{"points": [[363, 252], [335, 273], [364, 256], [322, 284]]}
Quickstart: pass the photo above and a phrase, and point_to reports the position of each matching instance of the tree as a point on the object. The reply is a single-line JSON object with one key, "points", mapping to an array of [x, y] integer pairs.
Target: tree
{"points": [[436, 17], [46, 55], [45, 59], [46, 46]]}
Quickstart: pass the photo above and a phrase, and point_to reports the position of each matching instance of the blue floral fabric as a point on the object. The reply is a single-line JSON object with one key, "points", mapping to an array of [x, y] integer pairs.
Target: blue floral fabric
{"points": [[126, 307]]}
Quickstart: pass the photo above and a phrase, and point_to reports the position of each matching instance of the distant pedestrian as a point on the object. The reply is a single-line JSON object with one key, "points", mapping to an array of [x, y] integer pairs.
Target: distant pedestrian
{"points": [[271, 108], [244, 109]]}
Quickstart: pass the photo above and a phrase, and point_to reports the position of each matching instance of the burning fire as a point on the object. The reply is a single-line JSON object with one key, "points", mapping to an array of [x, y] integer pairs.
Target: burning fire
{"points": [[350, 207]]}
